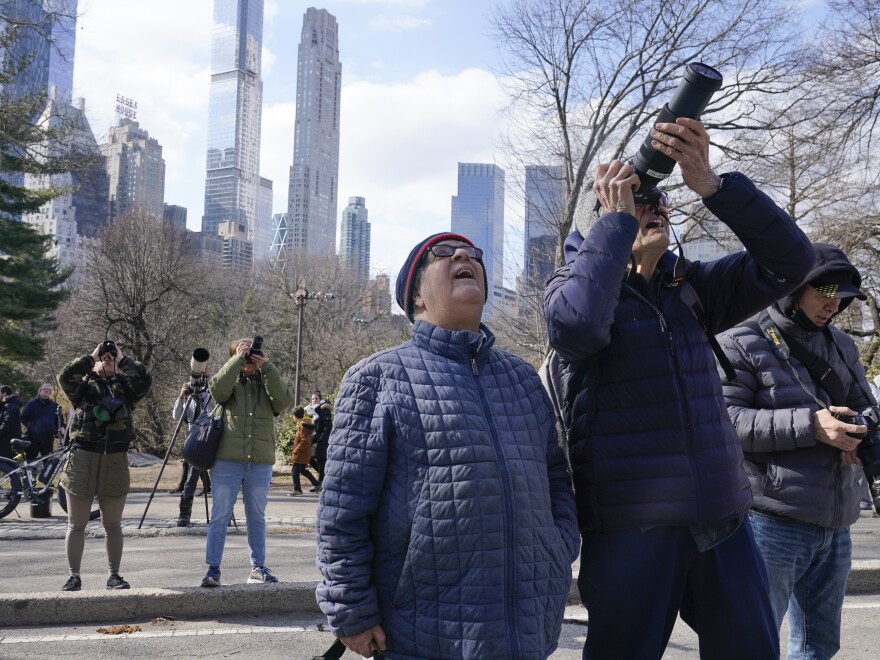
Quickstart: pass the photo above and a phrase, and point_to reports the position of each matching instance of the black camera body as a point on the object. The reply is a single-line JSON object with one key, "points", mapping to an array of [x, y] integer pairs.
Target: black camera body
{"points": [[869, 448], [691, 97], [107, 346], [256, 346]]}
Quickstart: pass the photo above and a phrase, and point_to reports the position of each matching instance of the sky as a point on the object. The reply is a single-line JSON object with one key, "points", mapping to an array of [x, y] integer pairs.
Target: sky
{"points": [[419, 95]]}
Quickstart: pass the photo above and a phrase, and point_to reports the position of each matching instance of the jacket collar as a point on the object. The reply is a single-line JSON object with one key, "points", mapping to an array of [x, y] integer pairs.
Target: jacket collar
{"points": [[459, 345], [788, 326]]}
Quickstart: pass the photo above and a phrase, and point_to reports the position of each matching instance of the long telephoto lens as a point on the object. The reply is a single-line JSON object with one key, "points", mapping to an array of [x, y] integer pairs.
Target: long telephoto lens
{"points": [[257, 345], [690, 100]]}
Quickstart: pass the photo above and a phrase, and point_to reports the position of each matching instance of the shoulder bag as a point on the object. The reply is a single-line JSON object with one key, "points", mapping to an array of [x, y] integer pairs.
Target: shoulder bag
{"points": [[203, 439]]}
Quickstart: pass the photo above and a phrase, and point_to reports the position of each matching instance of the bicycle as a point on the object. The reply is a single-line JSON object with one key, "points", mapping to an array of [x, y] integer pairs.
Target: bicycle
{"points": [[32, 479]]}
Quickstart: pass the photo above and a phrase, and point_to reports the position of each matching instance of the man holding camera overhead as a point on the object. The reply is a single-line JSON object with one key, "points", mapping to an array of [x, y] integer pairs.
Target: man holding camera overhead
{"points": [[800, 459], [660, 488]]}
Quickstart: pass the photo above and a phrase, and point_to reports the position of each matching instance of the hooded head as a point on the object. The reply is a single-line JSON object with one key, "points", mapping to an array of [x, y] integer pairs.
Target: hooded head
{"points": [[408, 275], [828, 289]]}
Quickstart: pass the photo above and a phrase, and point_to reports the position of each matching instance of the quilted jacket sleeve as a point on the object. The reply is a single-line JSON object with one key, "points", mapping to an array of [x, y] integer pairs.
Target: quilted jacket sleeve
{"points": [[761, 430], [351, 491], [581, 297]]}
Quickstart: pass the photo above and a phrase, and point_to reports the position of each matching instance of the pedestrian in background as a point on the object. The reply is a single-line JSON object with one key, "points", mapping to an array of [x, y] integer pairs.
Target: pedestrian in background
{"points": [[301, 451], [41, 418], [10, 420], [195, 403], [321, 412]]}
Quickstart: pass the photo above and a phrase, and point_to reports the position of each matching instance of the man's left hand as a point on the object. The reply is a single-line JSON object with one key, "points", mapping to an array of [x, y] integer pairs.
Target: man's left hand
{"points": [[687, 143]]}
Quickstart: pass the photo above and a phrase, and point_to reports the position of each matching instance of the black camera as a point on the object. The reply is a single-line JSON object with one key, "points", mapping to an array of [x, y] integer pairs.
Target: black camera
{"points": [[256, 346], [107, 346], [690, 99], [869, 447]]}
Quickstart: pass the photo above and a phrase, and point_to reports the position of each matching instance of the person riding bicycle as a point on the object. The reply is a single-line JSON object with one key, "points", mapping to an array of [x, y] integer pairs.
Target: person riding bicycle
{"points": [[104, 388]]}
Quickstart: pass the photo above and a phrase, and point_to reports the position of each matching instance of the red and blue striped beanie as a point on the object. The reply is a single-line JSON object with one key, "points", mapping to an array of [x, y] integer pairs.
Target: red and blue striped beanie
{"points": [[406, 278]]}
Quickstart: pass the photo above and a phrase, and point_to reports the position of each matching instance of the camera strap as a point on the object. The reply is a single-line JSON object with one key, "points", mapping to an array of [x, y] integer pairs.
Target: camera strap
{"points": [[819, 369]]}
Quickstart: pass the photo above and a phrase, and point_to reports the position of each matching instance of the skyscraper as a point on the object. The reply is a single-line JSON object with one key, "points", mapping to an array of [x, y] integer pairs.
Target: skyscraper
{"points": [[478, 214], [136, 170], [42, 47], [234, 114], [354, 241], [38, 55], [545, 204], [261, 235], [312, 196], [84, 209]]}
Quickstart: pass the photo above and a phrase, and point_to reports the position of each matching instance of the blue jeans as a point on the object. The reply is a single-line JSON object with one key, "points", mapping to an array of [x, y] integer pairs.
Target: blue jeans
{"points": [[227, 477], [807, 566]]}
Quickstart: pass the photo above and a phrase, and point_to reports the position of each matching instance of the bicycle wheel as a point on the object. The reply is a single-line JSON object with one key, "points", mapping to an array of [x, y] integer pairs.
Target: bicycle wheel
{"points": [[62, 500], [10, 487]]}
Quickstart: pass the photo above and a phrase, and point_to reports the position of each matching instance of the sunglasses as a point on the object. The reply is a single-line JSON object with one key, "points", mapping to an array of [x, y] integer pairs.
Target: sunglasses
{"points": [[441, 251]]}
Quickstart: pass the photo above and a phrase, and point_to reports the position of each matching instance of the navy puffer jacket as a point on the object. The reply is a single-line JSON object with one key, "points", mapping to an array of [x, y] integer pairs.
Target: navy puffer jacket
{"points": [[791, 473], [651, 442], [447, 514]]}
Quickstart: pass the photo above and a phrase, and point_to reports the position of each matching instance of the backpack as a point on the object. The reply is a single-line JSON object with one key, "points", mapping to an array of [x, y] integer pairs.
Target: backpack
{"points": [[562, 398]]}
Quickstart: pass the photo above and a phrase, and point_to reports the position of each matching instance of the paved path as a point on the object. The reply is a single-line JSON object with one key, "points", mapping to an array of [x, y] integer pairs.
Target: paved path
{"points": [[164, 563]]}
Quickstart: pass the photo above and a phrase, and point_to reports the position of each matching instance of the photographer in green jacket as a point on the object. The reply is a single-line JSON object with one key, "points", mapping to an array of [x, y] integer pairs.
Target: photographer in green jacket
{"points": [[104, 388], [253, 394]]}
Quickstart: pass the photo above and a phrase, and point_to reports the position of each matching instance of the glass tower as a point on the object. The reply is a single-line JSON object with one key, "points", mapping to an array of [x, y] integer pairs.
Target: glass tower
{"points": [[545, 205], [312, 194], [478, 214], [42, 47], [354, 240], [234, 113]]}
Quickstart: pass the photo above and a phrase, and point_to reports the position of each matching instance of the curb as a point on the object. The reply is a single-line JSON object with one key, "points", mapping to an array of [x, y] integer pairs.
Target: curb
{"points": [[60, 608], [131, 531], [54, 608]]}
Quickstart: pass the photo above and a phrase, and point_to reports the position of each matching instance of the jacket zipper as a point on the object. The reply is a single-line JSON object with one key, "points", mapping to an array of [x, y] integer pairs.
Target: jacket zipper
{"points": [[667, 331], [508, 512]]}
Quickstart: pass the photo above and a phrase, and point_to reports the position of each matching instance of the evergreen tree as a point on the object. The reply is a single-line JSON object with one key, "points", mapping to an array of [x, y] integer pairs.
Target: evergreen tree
{"points": [[29, 279], [29, 291]]}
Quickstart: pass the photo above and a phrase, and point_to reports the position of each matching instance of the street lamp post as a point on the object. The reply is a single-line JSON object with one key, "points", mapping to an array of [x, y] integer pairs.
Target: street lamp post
{"points": [[300, 297]]}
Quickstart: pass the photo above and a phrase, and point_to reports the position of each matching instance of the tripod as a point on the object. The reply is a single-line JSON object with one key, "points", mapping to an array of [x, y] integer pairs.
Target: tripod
{"points": [[186, 408]]}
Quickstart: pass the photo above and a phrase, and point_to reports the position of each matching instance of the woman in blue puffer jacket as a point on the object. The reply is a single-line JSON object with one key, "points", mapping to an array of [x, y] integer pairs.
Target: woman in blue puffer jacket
{"points": [[447, 524]]}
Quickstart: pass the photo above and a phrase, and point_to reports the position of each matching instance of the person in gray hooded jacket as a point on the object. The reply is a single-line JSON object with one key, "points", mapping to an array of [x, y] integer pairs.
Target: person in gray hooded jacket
{"points": [[801, 461]]}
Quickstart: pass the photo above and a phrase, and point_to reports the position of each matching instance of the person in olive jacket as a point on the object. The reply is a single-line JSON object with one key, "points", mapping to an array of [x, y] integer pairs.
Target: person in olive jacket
{"points": [[252, 393], [104, 388]]}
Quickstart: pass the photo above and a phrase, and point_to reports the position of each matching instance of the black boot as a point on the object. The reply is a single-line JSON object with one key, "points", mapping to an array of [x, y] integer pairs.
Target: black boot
{"points": [[186, 507]]}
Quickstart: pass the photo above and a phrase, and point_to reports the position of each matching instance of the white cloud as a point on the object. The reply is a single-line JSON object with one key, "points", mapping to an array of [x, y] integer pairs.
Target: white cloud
{"points": [[165, 69], [267, 61], [271, 9], [396, 23], [399, 148]]}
